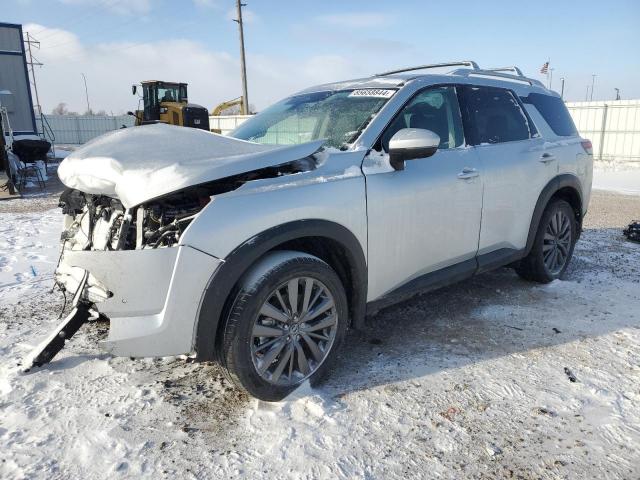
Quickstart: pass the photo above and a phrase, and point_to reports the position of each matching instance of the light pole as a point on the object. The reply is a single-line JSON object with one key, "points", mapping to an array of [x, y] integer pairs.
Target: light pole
{"points": [[593, 81], [562, 88], [243, 67], [617, 93], [86, 93]]}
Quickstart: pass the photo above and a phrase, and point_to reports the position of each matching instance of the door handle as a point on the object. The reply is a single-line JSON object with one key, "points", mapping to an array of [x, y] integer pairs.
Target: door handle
{"points": [[547, 157], [468, 173]]}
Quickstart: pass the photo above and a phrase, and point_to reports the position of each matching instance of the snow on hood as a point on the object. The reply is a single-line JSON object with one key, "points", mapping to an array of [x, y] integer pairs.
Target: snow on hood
{"points": [[141, 163]]}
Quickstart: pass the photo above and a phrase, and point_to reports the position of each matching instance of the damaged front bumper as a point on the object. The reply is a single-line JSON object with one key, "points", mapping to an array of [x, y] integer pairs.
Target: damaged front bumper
{"points": [[151, 296]]}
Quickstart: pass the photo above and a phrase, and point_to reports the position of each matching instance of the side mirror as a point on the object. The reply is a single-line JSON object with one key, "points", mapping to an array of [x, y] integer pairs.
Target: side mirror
{"points": [[131, 113], [134, 89], [412, 143]]}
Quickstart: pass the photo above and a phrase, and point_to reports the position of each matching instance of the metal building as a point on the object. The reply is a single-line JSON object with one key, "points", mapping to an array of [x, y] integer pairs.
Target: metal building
{"points": [[15, 91]]}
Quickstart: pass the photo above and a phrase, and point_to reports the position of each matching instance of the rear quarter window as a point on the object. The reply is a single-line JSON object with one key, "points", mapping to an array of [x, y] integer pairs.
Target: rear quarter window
{"points": [[554, 112]]}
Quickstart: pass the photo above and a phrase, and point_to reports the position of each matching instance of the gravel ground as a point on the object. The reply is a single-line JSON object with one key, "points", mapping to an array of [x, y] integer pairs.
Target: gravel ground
{"points": [[494, 377], [611, 210]]}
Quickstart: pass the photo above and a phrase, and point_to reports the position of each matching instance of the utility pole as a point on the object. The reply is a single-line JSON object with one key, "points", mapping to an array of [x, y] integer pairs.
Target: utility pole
{"points": [[243, 67], [593, 81], [86, 93], [562, 88], [30, 40]]}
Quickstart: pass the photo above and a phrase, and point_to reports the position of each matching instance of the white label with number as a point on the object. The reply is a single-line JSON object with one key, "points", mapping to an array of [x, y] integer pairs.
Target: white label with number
{"points": [[373, 92]]}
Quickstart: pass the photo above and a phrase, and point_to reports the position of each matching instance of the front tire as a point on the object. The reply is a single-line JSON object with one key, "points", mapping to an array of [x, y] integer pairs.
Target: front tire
{"points": [[285, 326], [553, 244]]}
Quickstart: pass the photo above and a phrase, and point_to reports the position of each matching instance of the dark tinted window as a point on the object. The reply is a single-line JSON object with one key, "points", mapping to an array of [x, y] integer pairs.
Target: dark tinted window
{"points": [[493, 115], [555, 113]]}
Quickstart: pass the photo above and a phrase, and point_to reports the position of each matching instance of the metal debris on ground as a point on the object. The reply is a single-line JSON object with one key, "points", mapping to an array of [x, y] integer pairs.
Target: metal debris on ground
{"points": [[572, 377], [48, 349], [632, 232]]}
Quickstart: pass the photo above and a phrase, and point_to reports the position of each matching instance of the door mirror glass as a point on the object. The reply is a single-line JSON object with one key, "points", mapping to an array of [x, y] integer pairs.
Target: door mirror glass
{"points": [[134, 89], [412, 143]]}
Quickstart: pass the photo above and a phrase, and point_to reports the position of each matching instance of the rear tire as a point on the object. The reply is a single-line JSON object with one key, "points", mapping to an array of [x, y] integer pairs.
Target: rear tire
{"points": [[285, 326], [553, 244]]}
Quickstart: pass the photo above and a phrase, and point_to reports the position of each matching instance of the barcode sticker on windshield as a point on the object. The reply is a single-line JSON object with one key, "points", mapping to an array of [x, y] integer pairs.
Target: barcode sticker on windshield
{"points": [[372, 92]]}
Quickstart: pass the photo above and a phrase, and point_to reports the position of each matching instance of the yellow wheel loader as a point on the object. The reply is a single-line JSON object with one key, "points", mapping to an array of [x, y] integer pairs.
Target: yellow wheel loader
{"points": [[167, 102]]}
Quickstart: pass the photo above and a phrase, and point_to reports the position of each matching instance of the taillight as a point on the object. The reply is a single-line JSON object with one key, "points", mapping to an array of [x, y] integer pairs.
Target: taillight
{"points": [[588, 148]]}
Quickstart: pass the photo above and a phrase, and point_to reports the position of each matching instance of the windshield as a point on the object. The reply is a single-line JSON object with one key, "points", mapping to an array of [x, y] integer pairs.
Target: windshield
{"points": [[338, 117], [171, 93]]}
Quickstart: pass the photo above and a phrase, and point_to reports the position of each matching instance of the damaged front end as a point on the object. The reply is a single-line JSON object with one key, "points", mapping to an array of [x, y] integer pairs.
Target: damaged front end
{"points": [[101, 223], [129, 265]]}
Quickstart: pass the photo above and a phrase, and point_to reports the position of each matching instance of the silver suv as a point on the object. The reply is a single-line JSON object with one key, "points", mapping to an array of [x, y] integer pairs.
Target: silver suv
{"points": [[261, 248]]}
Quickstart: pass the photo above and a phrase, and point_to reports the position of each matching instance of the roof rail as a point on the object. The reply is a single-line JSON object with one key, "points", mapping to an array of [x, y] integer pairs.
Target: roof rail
{"points": [[495, 73], [466, 63], [512, 68]]}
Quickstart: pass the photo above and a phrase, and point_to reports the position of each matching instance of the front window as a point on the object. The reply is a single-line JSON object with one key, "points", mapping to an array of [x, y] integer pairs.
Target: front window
{"points": [[434, 109], [168, 93], [337, 116]]}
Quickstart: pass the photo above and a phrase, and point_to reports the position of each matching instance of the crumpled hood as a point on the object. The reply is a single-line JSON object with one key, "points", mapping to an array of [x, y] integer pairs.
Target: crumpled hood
{"points": [[141, 163]]}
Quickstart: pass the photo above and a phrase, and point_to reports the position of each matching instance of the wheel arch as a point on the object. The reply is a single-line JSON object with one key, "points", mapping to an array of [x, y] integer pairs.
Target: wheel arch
{"points": [[329, 241], [566, 187]]}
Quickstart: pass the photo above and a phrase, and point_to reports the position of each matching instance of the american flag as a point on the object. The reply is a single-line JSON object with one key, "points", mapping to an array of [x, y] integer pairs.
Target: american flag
{"points": [[545, 68]]}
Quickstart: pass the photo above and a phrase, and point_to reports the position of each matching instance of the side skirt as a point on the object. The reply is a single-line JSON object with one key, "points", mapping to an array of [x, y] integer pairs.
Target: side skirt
{"points": [[446, 276]]}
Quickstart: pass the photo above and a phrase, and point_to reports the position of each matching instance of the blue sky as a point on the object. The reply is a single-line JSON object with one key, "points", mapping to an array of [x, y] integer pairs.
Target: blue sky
{"points": [[291, 45]]}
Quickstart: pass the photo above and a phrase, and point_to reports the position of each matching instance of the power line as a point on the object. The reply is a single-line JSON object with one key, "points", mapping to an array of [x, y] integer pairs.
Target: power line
{"points": [[137, 44], [99, 33], [75, 20]]}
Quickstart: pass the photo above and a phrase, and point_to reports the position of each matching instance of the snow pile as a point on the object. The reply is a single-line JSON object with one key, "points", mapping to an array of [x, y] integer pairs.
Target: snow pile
{"points": [[622, 181]]}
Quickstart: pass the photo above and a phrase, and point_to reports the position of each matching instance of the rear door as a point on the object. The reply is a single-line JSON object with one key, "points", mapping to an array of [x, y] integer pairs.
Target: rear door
{"points": [[515, 168], [426, 217]]}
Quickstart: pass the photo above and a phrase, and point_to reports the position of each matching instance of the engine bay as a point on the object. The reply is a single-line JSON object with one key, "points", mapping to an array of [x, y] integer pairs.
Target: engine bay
{"points": [[99, 222]]}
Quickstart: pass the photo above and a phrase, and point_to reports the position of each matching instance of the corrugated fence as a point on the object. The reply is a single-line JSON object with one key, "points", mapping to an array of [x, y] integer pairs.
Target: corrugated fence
{"points": [[80, 129], [613, 127], [224, 124]]}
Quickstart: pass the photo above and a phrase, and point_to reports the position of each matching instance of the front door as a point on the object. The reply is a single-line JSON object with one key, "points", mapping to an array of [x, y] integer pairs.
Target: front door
{"points": [[426, 217]]}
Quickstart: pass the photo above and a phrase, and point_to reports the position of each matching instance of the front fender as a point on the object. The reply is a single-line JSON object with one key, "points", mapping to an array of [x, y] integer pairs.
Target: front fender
{"points": [[245, 224]]}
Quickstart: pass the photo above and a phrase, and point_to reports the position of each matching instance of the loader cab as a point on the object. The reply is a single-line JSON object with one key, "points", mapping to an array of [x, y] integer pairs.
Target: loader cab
{"points": [[155, 94]]}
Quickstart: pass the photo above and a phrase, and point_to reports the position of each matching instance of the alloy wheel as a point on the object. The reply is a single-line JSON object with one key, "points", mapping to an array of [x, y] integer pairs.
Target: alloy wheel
{"points": [[294, 331], [557, 242]]}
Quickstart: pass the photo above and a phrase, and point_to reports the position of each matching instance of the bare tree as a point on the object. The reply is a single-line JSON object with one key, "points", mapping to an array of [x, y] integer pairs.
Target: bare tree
{"points": [[61, 109]]}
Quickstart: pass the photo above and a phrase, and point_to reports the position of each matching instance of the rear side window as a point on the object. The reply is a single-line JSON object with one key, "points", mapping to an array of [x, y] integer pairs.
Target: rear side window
{"points": [[493, 115], [554, 112]]}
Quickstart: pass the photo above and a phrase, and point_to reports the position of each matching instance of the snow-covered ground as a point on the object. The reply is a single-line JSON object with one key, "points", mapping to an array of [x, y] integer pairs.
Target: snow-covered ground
{"points": [[625, 181], [28, 253], [471, 381]]}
